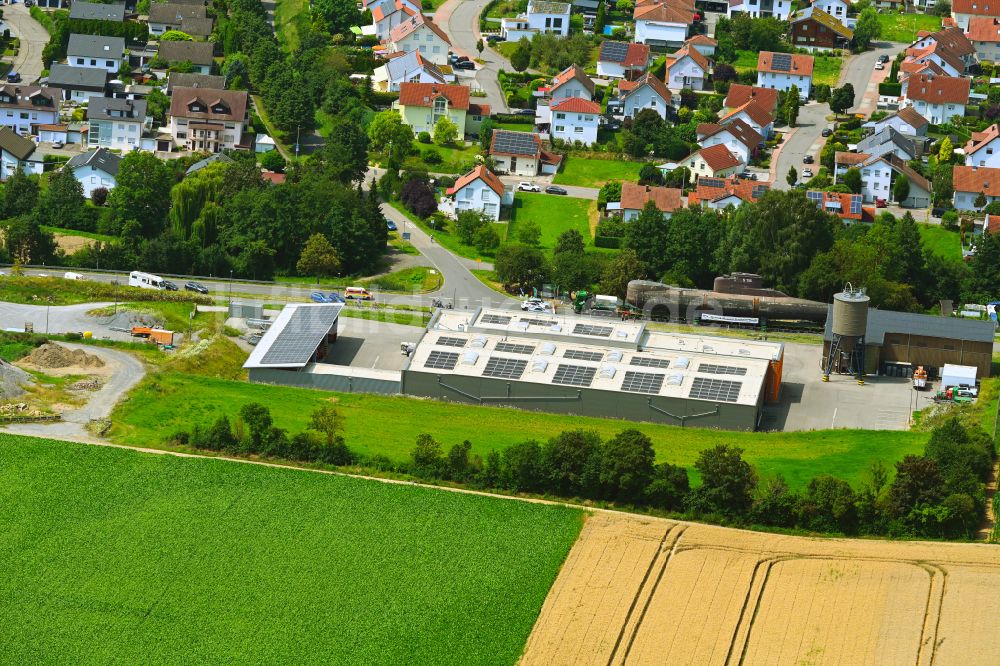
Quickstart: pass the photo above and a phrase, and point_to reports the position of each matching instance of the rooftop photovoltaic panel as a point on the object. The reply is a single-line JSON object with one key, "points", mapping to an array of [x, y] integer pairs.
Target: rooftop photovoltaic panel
{"points": [[298, 340], [574, 375], [711, 182], [781, 62], [439, 360], [531, 321], [445, 341], [494, 319], [648, 362], [511, 348], [507, 368], [614, 51], [758, 191], [715, 389], [642, 382], [580, 355], [713, 369], [856, 204], [815, 197], [517, 143], [587, 329]]}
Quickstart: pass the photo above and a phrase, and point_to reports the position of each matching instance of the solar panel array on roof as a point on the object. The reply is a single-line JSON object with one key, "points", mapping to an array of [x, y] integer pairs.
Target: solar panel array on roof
{"points": [[643, 382], [507, 368], [439, 360], [574, 375], [298, 340], [614, 51], [815, 197], [758, 191], [588, 329], [512, 348], [855, 204], [516, 143], [445, 341], [711, 182], [715, 389], [495, 319], [580, 355], [714, 369], [531, 321], [781, 62], [648, 362]]}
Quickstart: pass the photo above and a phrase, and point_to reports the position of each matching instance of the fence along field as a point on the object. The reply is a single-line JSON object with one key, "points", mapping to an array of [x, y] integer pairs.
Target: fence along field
{"points": [[647, 591], [115, 556]]}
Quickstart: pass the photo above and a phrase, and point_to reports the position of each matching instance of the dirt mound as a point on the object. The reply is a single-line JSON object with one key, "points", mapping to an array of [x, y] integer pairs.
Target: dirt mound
{"points": [[55, 356], [12, 380]]}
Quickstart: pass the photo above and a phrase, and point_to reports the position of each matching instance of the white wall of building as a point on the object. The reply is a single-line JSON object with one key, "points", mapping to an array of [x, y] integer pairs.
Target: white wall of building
{"points": [[572, 126], [686, 74], [656, 32], [644, 98], [785, 82], [92, 179]]}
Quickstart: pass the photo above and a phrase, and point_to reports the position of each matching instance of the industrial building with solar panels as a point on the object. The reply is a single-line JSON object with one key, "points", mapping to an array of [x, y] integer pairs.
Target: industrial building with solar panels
{"points": [[594, 367]]}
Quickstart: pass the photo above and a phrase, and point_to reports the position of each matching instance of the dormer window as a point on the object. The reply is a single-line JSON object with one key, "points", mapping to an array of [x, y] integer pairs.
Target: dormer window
{"points": [[440, 105], [196, 106], [218, 106]]}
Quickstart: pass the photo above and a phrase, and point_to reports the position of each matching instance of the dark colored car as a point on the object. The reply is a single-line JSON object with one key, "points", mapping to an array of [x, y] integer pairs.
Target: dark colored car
{"points": [[464, 64], [937, 211], [390, 225], [13, 77], [196, 286], [555, 189], [808, 159], [827, 132], [169, 286], [747, 175], [883, 58]]}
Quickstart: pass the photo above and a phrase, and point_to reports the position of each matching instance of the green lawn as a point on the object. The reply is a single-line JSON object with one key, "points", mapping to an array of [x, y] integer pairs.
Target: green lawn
{"points": [[826, 69], [941, 241], [515, 127], [587, 172], [454, 159], [449, 240], [746, 61], [115, 556], [166, 403], [904, 27], [291, 19], [69, 292], [553, 214]]}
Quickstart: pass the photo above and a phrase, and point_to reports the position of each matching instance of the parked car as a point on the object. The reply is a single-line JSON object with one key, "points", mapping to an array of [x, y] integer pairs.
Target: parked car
{"points": [[555, 189], [937, 211], [254, 338], [334, 297], [318, 296], [881, 203], [808, 159], [525, 186], [195, 286], [807, 173], [827, 131], [879, 65], [493, 39], [57, 144], [13, 77], [464, 64], [168, 285], [390, 225], [536, 305], [748, 175], [883, 58]]}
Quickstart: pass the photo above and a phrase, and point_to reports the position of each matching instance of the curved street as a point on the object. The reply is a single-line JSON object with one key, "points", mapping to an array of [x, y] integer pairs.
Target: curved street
{"points": [[28, 61], [460, 20]]}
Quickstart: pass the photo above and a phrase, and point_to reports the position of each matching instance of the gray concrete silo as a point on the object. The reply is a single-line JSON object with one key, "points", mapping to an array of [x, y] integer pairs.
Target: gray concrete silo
{"points": [[849, 324]]}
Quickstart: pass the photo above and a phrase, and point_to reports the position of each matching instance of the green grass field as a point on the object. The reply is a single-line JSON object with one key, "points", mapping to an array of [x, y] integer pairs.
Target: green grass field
{"points": [[116, 556], [826, 70], [904, 27], [291, 17], [453, 159], [595, 172], [449, 240], [166, 403], [746, 61], [554, 214], [941, 241], [68, 292]]}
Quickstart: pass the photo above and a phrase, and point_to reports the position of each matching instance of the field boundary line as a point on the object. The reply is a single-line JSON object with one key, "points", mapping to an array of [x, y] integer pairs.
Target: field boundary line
{"points": [[666, 555]]}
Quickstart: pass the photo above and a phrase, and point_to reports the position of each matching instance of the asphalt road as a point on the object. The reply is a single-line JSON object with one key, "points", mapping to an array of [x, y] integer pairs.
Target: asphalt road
{"points": [[460, 20], [28, 61], [807, 138]]}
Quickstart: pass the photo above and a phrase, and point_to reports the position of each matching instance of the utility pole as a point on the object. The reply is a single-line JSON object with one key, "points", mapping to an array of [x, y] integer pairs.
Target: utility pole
{"points": [[230, 287]]}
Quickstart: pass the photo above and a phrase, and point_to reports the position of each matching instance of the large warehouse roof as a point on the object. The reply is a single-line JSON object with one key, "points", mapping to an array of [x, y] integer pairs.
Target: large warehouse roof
{"points": [[578, 352], [881, 322], [292, 339]]}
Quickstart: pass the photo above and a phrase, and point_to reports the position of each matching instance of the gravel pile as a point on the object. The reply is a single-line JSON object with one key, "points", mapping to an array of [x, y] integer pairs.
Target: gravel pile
{"points": [[51, 355], [12, 380]]}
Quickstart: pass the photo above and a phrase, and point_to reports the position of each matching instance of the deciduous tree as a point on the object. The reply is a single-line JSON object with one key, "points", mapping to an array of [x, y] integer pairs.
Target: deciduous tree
{"points": [[318, 258]]}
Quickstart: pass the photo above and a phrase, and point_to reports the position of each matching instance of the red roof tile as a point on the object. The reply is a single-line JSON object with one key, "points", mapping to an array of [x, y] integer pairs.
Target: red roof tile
{"points": [[938, 89], [576, 105], [912, 117], [740, 94], [479, 109], [802, 65], [849, 159], [479, 173], [692, 53], [976, 7], [636, 55], [707, 189], [703, 40], [667, 11], [984, 29], [979, 140], [424, 94], [406, 28], [634, 197], [976, 179], [753, 110], [658, 86], [718, 157], [567, 75]]}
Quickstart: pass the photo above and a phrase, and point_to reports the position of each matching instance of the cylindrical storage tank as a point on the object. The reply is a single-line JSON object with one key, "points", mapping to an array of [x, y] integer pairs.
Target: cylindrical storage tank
{"points": [[850, 313]]}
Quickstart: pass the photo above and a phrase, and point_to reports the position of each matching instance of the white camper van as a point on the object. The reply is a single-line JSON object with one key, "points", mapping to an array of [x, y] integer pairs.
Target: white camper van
{"points": [[144, 280]]}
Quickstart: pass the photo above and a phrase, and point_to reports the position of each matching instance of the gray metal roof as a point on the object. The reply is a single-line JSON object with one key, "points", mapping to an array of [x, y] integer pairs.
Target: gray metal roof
{"points": [[96, 46], [292, 339], [95, 11], [881, 322], [67, 76], [101, 159]]}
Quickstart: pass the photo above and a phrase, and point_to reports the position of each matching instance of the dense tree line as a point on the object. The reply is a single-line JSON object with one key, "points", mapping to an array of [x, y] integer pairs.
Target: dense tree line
{"points": [[940, 494]]}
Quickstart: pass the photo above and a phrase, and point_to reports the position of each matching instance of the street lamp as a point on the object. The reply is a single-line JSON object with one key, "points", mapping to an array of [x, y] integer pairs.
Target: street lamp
{"points": [[230, 287]]}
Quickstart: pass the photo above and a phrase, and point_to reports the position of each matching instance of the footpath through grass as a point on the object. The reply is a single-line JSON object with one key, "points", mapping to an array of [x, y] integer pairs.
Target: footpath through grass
{"points": [[586, 172], [166, 403], [115, 556]]}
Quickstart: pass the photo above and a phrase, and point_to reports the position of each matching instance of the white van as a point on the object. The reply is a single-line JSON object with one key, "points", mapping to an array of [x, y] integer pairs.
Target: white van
{"points": [[72, 276], [357, 292], [144, 280]]}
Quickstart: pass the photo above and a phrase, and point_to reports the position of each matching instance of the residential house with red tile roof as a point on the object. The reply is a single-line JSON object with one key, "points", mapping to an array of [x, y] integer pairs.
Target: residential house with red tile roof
{"points": [[905, 121], [781, 71], [741, 139], [937, 98], [983, 149], [739, 94], [574, 119], [409, 67], [687, 68], [648, 92], [480, 190], [813, 29], [724, 192], [663, 22], [622, 60], [970, 181], [715, 161], [421, 105], [754, 115], [420, 33], [848, 207], [950, 62], [984, 33], [963, 10], [387, 14], [571, 82], [702, 44], [879, 174], [635, 197]]}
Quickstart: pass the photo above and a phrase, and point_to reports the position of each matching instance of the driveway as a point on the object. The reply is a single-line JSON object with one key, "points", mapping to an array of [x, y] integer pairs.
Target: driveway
{"points": [[807, 137], [28, 61], [460, 20], [124, 372], [59, 318]]}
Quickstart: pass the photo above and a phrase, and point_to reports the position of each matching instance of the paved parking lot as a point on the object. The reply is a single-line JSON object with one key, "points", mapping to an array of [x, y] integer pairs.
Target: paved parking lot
{"points": [[808, 403], [363, 343]]}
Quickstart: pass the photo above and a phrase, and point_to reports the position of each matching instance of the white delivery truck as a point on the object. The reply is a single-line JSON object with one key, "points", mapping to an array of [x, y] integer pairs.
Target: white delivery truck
{"points": [[69, 275], [144, 280]]}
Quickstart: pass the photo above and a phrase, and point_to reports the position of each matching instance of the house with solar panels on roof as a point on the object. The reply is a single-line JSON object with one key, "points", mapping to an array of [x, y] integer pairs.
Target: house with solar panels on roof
{"points": [[522, 154], [620, 60], [593, 367], [781, 71], [721, 193], [848, 207]]}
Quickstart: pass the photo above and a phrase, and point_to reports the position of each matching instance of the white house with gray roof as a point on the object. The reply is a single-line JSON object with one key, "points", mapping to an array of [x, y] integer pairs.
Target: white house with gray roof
{"points": [[16, 152], [96, 51], [115, 123], [408, 68], [95, 169]]}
